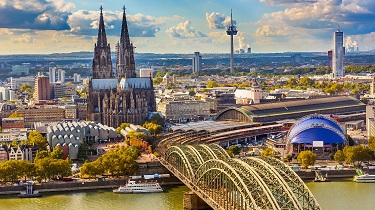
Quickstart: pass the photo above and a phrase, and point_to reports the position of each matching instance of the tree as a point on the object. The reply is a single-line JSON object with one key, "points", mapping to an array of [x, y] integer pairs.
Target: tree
{"points": [[57, 153], [212, 84], [137, 135], [157, 80], [358, 153], [371, 142], [307, 158], [153, 127], [339, 156], [119, 161], [36, 138], [269, 153], [14, 143], [157, 119], [122, 127], [15, 115], [26, 88], [289, 157], [235, 150]]}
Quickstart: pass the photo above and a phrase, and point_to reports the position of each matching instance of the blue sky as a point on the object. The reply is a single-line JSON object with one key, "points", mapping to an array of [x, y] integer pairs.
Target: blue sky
{"points": [[185, 26]]}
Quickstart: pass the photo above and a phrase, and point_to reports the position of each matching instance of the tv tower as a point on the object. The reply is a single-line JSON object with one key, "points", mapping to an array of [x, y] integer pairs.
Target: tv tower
{"points": [[232, 31]]}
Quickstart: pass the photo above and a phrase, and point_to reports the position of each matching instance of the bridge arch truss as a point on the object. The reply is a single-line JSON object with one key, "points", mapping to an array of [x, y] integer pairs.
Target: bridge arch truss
{"points": [[238, 184]]}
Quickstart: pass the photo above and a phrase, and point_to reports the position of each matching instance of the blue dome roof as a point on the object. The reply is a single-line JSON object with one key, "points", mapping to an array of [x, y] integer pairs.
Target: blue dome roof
{"points": [[316, 128]]}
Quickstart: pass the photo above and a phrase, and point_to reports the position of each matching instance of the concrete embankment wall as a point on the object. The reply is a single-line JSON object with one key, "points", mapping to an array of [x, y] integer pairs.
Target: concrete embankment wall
{"points": [[82, 185], [331, 174]]}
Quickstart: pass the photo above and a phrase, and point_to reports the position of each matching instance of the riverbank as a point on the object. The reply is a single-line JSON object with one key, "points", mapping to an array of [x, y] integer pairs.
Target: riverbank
{"points": [[84, 184], [310, 174]]}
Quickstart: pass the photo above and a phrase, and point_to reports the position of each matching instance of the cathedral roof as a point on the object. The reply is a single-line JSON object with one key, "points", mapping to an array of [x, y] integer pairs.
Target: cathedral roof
{"points": [[135, 83], [100, 84]]}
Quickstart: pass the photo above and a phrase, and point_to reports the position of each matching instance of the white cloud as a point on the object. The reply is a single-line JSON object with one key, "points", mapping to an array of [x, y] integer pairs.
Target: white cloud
{"points": [[35, 14], [25, 38], [216, 20], [350, 14], [267, 30], [184, 30], [5, 32], [86, 22]]}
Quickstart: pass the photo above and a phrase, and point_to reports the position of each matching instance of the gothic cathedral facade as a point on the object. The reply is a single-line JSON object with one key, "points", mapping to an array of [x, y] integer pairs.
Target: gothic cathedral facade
{"points": [[114, 99]]}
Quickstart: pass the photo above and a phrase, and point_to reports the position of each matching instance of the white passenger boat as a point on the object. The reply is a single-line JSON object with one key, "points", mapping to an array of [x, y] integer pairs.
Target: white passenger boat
{"points": [[364, 178], [140, 187]]}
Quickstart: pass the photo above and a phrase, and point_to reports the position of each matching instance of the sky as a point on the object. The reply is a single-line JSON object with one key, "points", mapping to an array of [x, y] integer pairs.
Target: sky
{"points": [[185, 26]]}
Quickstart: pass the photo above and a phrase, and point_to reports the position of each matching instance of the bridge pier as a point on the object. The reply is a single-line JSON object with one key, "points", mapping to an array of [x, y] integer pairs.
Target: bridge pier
{"points": [[193, 202]]}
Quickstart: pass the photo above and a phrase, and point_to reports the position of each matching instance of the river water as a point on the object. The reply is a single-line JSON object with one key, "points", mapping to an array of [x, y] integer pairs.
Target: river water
{"points": [[336, 195]]}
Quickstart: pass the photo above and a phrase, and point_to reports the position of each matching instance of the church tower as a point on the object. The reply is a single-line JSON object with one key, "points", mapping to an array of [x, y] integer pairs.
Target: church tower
{"points": [[125, 65], [102, 63]]}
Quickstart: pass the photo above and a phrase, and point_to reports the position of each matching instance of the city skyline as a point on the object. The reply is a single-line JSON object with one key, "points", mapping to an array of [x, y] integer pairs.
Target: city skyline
{"points": [[43, 27]]}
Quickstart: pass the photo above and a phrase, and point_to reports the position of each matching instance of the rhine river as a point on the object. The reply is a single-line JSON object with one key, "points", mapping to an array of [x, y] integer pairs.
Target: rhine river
{"points": [[339, 194]]}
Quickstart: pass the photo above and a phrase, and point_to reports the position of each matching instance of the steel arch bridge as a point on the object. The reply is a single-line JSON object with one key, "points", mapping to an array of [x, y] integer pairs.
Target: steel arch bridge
{"points": [[238, 184]]}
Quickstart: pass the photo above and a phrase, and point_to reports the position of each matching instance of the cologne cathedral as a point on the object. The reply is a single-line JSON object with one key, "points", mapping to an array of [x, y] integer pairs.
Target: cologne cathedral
{"points": [[114, 99]]}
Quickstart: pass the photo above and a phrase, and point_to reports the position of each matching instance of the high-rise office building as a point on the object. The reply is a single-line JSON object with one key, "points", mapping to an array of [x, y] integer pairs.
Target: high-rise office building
{"points": [[338, 54], [52, 74], [4, 93], [76, 77], [197, 62], [61, 76], [42, 88]]}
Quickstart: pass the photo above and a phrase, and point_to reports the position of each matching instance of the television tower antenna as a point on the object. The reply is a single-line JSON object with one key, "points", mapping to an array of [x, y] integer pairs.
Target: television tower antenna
{"points": [[231, 31]]}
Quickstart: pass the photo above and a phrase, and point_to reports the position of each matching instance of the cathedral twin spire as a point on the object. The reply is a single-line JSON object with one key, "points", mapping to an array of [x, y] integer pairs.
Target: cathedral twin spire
{"points": [[102, 63], [102, 37]]}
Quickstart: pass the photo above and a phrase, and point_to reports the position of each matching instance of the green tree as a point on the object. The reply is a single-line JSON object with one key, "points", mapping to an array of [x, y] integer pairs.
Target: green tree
{"points": [[268, 152], [15, 115], [91, 169], [371, 142], [339, 156], [137, 135], [25, 88], [358, 154], [306, 82], [119, 161], [153, 127], [14, 143], [122, 126], [307, 158], [157, 80], [27, 169], [57, 153], [212, 84], [289, 157], [36, 138], [235, 150], [157, 119]]}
